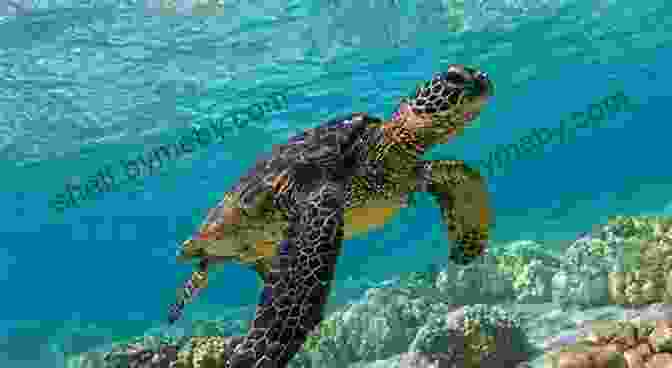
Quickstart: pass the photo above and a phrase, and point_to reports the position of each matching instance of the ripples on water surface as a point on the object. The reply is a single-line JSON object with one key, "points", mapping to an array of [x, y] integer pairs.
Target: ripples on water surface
{"points": [[93, 83]]}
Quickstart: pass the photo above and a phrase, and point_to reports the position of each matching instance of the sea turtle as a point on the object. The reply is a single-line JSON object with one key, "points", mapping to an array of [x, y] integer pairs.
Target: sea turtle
{"points": [[287, 216]]}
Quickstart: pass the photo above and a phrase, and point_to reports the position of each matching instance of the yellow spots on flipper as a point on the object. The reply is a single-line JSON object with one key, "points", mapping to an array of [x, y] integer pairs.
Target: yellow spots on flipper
{"points": [[364, 219]]}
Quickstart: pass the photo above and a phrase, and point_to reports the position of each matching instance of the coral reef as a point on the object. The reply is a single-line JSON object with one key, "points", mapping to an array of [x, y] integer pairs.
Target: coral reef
{"points": [[468, 336], [612, 344], [646, 275], [470, 316], [385, 324], [323, 335], [476, 336], [378, 326], [583, 278], [481, 282], [495, 337], [628, 261], [531, 279]]}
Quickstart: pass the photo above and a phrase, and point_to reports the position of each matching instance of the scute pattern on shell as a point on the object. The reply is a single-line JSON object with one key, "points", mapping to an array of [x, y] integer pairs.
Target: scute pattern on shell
{"points": [[318, 146]]}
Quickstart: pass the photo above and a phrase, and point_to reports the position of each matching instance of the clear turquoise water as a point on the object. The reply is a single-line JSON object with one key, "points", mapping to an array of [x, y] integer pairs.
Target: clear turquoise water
{"points": [[84, 85]]}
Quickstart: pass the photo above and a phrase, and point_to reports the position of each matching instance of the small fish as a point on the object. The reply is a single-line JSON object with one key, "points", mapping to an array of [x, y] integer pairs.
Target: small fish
{"points": [[583, 236], [587, 235]]}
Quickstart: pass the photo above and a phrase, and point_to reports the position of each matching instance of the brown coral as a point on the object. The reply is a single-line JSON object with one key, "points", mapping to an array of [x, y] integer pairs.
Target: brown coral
{"points": [[618, 344]]}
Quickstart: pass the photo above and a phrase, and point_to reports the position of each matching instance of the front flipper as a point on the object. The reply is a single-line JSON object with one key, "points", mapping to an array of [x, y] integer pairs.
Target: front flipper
{"points": [[191, 288], [465, 207], [293, 299]]}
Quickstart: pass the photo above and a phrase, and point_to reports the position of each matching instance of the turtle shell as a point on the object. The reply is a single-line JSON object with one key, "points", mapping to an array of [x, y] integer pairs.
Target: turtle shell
{"points": [[324, 145]]}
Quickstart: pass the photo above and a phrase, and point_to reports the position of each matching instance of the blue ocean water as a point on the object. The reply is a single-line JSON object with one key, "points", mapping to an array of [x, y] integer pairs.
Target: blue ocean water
{"points": [[90, 84]]}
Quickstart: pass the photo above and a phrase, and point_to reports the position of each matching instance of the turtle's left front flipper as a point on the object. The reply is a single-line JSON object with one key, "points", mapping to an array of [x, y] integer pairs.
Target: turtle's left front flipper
{"points": [[465, 206], [191, 288], [295, 293]]}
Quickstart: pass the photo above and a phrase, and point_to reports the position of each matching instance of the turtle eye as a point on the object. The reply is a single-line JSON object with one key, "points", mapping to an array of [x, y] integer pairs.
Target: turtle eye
{"points": [[454, 78]]}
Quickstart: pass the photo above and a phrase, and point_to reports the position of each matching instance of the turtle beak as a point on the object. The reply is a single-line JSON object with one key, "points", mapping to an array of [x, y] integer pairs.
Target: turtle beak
{"points": [[188, 251]]}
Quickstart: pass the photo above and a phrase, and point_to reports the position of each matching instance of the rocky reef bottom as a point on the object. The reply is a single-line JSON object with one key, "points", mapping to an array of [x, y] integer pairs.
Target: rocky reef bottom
{"points": [[549, 337], [632, 343], [603, 303]]}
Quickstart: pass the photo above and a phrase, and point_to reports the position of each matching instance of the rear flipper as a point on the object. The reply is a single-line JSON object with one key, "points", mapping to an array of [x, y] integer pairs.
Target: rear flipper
{"points": [[258, 258], [192, 287], [292, 302]]}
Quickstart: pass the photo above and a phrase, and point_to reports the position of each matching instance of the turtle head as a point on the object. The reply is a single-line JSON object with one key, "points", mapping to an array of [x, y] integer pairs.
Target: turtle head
{"points": [[213, 238], [441, 107], [192, 249], [197, 248]]}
